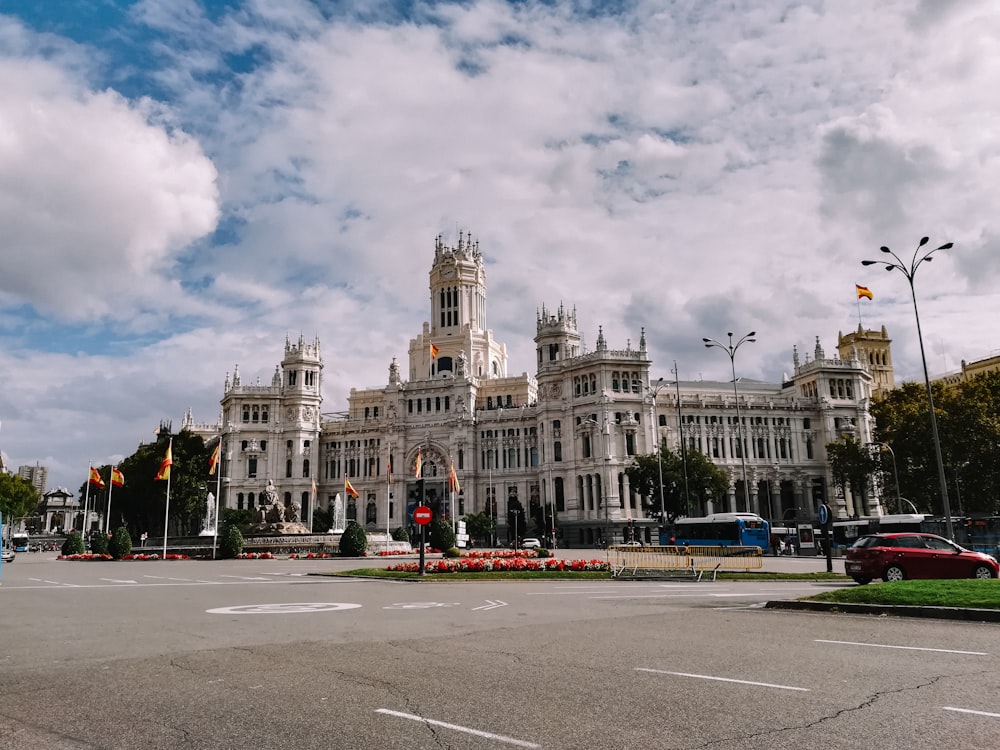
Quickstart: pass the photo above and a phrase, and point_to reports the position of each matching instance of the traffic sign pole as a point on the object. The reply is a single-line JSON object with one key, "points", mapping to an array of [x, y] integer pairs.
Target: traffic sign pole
{"points": [[825, 521]]}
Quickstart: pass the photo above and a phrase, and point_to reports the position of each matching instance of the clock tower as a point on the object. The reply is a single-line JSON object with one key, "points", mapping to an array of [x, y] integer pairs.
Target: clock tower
{"points": [[456, 340]]}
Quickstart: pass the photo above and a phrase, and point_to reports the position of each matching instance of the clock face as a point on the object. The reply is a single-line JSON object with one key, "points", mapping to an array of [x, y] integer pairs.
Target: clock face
{"points": [[448, 273]]}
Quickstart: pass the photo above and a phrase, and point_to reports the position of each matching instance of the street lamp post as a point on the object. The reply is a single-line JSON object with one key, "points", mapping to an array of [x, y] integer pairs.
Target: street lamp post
{"points": [[654, 391], [730, 349], [680, 433], [909, 271], [895, 476]]}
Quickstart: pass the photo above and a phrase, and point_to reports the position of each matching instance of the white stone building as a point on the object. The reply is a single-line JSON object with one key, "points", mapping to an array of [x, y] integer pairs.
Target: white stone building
{"points": [[560, 438]]}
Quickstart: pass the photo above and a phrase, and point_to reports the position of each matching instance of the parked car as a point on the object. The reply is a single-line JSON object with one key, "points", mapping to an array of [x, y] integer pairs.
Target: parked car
{"points": [[8, 555], [530, 543], [633, 543], [895, 557]]}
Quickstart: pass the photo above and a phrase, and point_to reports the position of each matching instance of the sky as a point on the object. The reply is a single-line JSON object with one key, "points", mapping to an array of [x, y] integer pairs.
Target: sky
{"points": [[184, 183]]}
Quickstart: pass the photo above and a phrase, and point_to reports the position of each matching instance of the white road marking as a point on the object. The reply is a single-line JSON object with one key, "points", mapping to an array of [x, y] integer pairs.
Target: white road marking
{"points": [[457, 728], [723, 679], [246, 578], [906, 648], [970, 711], [115, 580], [291, 608], [490, 604], [422, 605]]}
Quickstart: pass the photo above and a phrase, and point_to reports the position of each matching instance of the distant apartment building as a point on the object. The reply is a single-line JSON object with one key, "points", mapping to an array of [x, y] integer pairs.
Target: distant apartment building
{"points": [[37, 475]]}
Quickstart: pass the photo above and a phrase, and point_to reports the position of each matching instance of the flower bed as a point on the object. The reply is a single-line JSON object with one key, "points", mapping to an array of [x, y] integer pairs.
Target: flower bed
{"points": [[494, 553], [500, 564], [310, 555], [255, 556], [134, 556], [392, 552]]}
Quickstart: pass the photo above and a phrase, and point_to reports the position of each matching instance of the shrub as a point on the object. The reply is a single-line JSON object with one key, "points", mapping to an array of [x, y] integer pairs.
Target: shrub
{"points": [[400, 534], [73, 544], [542, 552], [453, 552], [354, 540], [99, 543], [120, 544], [230, 541], [441, 534]]}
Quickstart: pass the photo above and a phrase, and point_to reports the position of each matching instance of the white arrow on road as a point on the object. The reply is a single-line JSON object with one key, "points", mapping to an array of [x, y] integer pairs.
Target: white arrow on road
{"points": [[491, 604]]}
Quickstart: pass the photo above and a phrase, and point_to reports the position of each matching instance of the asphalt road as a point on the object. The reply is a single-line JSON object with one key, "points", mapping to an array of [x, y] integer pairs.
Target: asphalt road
{"points": [[258, 654]]}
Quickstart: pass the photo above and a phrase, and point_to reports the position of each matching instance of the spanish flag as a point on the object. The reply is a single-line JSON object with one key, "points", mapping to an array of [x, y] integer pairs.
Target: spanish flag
{"points": [[117, 478], [453, 481], [864, 291], [168, 461], [434, 351], [348, 488], [420, 465], [95, 478], [213, 462]]}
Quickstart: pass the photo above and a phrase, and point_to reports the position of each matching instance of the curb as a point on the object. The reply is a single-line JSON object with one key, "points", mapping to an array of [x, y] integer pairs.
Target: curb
{"points": [[892, 610]]}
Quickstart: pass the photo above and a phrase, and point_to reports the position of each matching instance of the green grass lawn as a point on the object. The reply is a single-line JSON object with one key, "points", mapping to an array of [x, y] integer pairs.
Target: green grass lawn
{"points": [[952, 593], [507, 575]]}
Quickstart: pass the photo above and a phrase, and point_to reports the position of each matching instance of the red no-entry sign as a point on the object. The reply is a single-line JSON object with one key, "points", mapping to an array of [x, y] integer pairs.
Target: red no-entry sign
{"points": [[422, 515]]}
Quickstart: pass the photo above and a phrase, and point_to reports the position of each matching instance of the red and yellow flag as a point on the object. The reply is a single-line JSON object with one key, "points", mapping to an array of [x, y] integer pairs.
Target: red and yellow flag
{"points": [[453, 481], [420, 465], [864, 291], [95, 478], [168, 461], [434, 351], [348, 489], [117, 478], [213, 462]]}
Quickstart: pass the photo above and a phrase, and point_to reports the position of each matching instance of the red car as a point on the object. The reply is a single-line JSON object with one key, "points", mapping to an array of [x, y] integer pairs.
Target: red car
{"points": [[896, 557]]}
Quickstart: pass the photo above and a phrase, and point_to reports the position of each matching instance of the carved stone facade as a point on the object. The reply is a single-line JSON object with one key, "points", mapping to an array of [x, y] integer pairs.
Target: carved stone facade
{"points": [[561, 438]]}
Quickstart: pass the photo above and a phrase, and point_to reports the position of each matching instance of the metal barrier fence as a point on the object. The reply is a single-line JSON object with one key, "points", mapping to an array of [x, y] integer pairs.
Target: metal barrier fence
{"points": [[693, 562]]}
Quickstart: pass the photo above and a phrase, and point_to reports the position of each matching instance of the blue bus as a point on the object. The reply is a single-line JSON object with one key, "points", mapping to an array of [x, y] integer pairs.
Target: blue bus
{"points": [[19, 541], [722, 530]]}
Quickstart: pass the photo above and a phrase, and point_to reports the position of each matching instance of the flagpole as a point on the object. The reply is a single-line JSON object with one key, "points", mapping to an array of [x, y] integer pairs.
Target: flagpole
{"points": [[107, 518], [860, 324], [388, 494], [166, 512], [86, 501], [218, 493]]}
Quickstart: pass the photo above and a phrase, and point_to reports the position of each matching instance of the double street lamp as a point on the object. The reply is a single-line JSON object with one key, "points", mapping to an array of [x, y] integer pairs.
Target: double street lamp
{"points": [[654, 391], [909, 271], [730, 349]]}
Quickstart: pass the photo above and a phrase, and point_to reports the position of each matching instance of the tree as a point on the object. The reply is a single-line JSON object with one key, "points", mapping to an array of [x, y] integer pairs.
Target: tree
{"points": [[968, 416], [400, 534], [480, 526], [515, 518], [852, 465], [354, 541], [120, 543], [705, 481], [141, 502], [442, 537], [230, 541], [18, 497]]}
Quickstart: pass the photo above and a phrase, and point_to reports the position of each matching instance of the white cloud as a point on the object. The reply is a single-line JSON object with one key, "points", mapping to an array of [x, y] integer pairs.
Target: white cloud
{"points": [[688, 169], [98, 195]]}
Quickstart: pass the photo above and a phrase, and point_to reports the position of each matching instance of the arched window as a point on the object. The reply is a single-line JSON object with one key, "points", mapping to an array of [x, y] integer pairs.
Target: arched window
{"points": [[305, 468]]}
